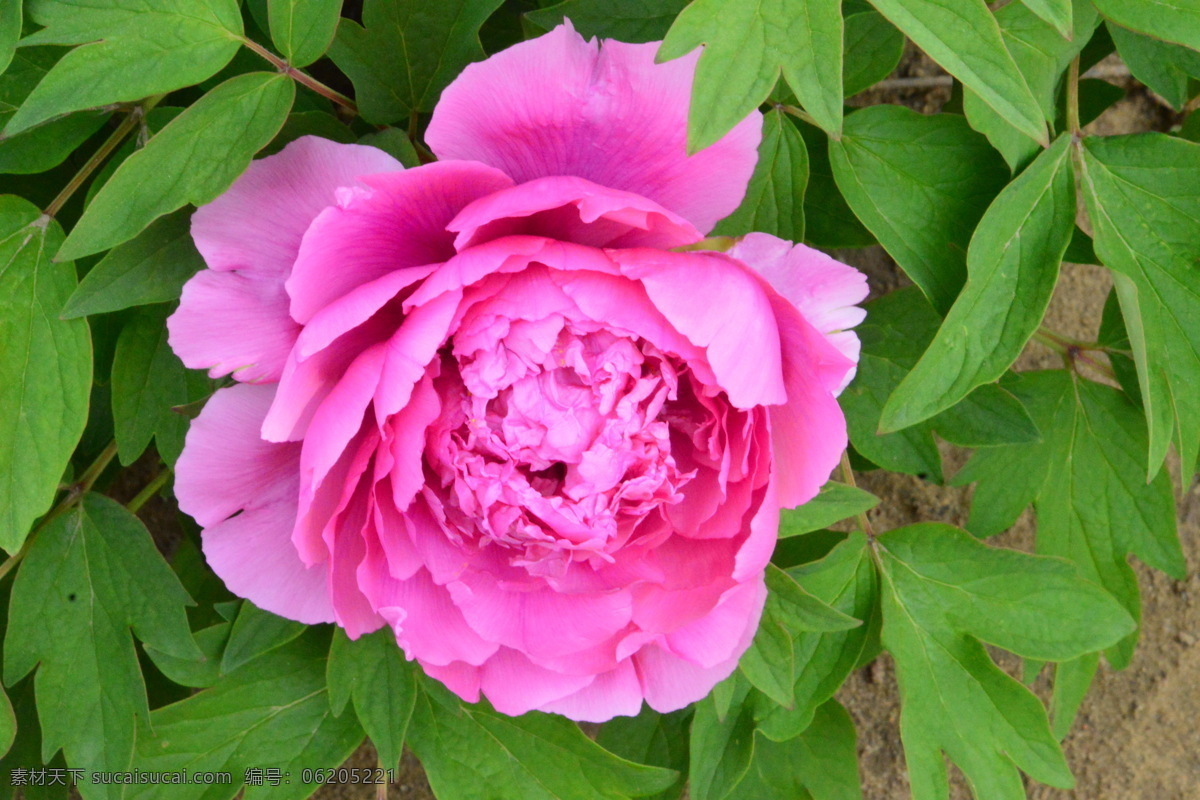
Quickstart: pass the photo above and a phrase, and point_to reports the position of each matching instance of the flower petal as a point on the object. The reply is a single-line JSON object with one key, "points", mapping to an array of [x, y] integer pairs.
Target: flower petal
{"points": [[233, 323], [398, 222], [558, 105], [615, 693]]}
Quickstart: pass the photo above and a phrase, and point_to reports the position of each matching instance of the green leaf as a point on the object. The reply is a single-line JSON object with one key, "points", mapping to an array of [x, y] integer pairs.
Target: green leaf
{"points": [[531, 757], [828, 221], [1113, 336], [1055, 12], [373, 672], [151, 268], [46, 146], [660, 740], [845, 579], [1086, 483], [303, 29], [1175, 21], [770, 663], [624, 20], [1072, 679], [820, 763], [45, 368], [944, 595], [1165, 68], [1012, 266], [963, 36], [131, 49], [897, 330], [8, 723], [91, 575], [835, 502], [192, 160], [920, 184], [1141, 197], [272, 713], [873, 48], [148, 382], [256, 632], [721, 747], [774, 201], [395, 143], [408, 52], [309, 123], [1042, 54], [747, 43], [10, 32], [200, 673]]}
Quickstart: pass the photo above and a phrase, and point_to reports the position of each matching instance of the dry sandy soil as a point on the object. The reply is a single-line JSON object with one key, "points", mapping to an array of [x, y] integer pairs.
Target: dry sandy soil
{"points": [[1136, 735]]}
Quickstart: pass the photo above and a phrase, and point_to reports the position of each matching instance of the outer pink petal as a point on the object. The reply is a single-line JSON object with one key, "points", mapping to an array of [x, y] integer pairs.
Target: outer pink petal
{"points": [[671, 682], [233, 322], [515, 685], [573, 210], [558, 105], [427, 624], [257, 224], [808, 433], [400, 221], [718, 305], [714, 638], [614, 693], [225, 468], [825, 291]]}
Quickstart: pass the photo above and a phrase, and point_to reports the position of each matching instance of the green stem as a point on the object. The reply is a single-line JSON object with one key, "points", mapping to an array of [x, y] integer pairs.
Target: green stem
{"points": [[127, 126], [848, 478], [75, 493], [149, 490], [299, 76], [800, 114], [1073, 98]]}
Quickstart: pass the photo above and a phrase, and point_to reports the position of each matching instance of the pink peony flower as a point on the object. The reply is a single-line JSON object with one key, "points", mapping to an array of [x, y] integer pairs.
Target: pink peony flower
{"points": [[487, 401]]}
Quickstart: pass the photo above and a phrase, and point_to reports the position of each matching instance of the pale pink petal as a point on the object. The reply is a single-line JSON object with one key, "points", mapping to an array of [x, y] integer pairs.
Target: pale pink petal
{"points": [[233, 322], [720, 306], [257, 224], [756, 550], [514, 685], [825, 291], [225, 466], [352, 610], [407, 446], [398, 222], [460, 678], [408, 354], [558, 105], [615, 693], [573, 210]]}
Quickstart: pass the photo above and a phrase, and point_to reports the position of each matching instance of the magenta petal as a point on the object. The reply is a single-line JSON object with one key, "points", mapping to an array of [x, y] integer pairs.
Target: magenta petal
{"points": [[615, 693], [398, 222], [572, 210], [720, 306], [225, 468], [514, 684], [233, 322], [558, 105], [825, 291], [257, 224], [427, 624], [671, 682]]}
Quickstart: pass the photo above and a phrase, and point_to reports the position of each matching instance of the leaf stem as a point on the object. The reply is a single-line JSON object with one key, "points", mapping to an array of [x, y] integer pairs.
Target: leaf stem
{"points": [[848, 477], [127, 126], [800, 114], [1074, 352], [149, 490], [300, 77], [75, 493], [1073, 98]]}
